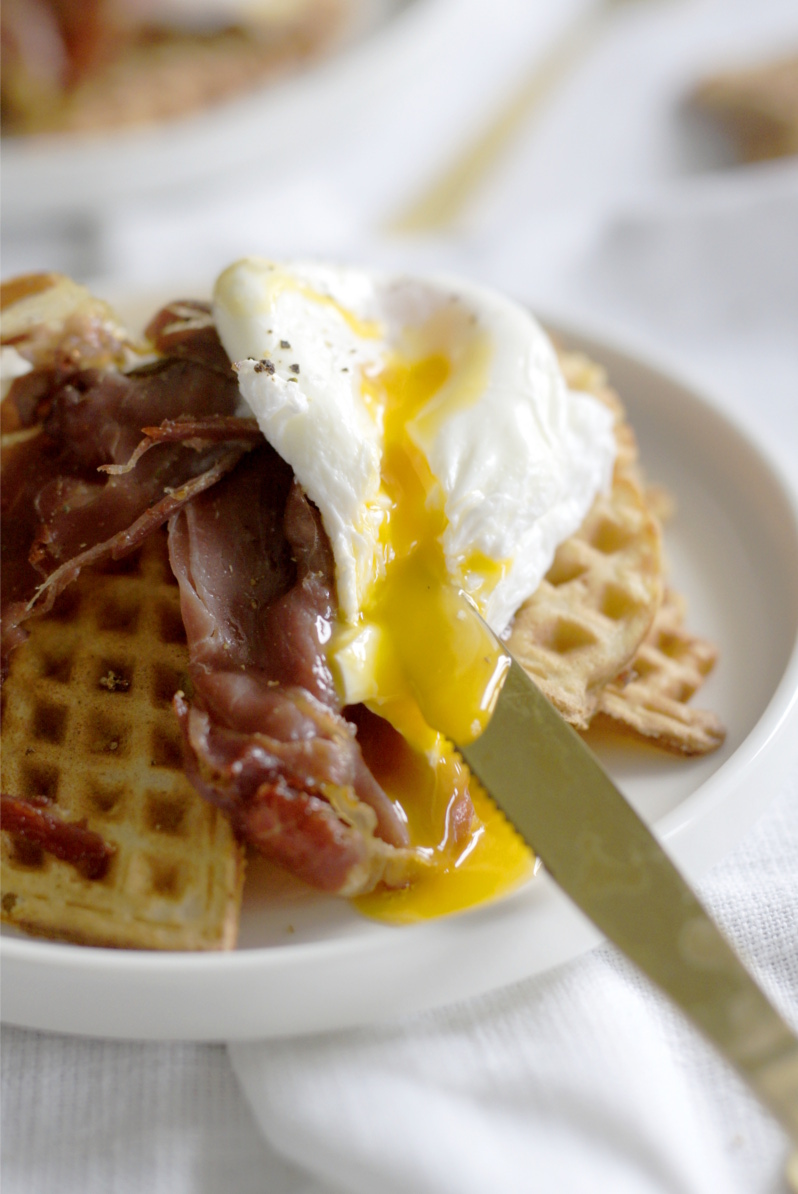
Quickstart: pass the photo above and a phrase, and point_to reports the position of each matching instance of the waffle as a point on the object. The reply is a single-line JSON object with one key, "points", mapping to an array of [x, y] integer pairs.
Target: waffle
{"points": [[587, 618], [758, 107], [600, 636], [650, 698], [88, 725]]}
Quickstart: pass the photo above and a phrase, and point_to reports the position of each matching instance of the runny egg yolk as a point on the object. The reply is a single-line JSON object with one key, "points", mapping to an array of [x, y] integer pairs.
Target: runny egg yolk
{"points": [[428, 666]]}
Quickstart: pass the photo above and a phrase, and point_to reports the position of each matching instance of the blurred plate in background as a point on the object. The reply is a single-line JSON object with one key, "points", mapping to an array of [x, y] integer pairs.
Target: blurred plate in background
{"points": [[67, 174]]}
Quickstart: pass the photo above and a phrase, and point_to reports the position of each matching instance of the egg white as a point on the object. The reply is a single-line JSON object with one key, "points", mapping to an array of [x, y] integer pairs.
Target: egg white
{"points": [[516, 457]]}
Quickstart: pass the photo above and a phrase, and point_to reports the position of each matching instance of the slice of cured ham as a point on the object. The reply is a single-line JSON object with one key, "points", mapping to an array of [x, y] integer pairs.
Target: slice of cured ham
{"points": [[264, 730], [60, 513]]}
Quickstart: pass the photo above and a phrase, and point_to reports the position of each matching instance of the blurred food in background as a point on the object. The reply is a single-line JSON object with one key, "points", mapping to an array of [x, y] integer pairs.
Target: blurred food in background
{"points": [[756, 106], [94, 65]]}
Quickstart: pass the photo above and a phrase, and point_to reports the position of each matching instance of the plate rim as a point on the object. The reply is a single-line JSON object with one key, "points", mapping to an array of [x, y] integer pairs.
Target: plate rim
{"points": [[782, 706], [769, 736]]}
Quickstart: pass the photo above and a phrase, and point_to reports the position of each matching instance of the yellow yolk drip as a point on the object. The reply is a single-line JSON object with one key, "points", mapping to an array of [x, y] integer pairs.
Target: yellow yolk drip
{"points": [[492, 863], [432, 664]]}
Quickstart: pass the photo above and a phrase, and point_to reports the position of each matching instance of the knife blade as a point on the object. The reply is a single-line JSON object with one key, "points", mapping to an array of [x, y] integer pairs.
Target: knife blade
{"points": [[601, 854]]}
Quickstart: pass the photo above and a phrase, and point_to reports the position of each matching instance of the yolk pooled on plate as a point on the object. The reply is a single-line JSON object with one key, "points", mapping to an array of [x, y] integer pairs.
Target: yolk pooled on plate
{"points": [[430, 424]]}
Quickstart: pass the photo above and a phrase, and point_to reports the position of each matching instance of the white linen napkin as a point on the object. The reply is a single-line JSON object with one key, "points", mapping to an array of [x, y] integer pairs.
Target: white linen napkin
{"points": [[584, 1079]]}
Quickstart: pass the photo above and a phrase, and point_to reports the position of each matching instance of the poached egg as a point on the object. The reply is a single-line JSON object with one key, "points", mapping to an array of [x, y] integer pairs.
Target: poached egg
{"points": [[429, 422]]}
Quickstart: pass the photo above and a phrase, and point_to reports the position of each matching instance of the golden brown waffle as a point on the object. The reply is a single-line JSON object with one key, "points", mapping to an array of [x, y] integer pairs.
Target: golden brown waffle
{"points": [[599, 637], [650, 698], [758, 106], [88, 724], [588, 617]]}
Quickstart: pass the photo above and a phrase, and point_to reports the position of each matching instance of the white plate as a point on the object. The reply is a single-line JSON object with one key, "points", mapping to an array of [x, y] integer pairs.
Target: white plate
{"points": [[307, 963]]}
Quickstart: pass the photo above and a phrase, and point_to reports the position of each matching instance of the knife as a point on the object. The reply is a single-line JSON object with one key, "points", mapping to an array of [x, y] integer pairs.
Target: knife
{"points": [[597, 849]]}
